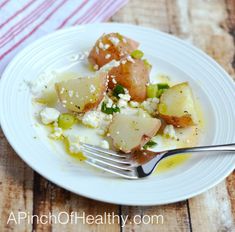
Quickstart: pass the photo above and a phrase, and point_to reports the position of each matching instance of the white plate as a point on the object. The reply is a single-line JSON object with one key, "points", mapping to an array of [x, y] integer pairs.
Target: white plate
{"points": [[210, 83]]}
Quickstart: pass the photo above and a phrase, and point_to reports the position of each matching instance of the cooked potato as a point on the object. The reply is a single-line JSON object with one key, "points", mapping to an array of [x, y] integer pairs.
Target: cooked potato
{"points": [[132, 75], [130, 132], [82, 94], [109, 47], [177, 106]]}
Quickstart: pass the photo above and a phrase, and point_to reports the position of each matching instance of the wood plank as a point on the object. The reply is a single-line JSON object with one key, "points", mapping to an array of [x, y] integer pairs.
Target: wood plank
{"points": [[16, 184], [172, 217], [48, 198], [162, 16], [207, 28], [204, 24]]}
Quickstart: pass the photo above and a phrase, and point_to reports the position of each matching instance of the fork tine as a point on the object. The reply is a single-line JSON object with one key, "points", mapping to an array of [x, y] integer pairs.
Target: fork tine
{"points": [[115, 172], [106, 151], [115, 160], [110, 164]]}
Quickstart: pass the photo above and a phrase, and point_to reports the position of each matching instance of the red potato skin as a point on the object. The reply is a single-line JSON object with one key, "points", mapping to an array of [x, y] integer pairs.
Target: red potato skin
{"points": [[145, 138], [117, 52], [133, 76], [180, 122]]}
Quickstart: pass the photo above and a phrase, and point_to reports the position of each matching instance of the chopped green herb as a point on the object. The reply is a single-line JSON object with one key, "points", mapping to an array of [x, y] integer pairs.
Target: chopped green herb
{"points": [[163, 86], [147, 64], [160, 92], [149, 144], [117, 90], [137, 54], [109, 110]]}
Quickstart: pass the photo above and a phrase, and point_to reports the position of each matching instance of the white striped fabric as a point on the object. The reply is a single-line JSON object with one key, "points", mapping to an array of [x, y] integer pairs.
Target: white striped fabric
{"points": [[23, 21]]}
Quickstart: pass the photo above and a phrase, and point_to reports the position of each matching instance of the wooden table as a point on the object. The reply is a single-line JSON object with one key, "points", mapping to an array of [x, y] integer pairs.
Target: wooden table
{"points": [[210, 25]]}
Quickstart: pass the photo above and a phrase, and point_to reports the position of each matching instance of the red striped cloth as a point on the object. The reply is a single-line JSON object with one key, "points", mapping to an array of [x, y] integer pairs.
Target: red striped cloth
{"points": [[23, 21]]}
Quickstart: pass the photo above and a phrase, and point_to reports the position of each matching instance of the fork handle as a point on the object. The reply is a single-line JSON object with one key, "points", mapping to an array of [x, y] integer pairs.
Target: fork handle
{"points": [[222, 148]]}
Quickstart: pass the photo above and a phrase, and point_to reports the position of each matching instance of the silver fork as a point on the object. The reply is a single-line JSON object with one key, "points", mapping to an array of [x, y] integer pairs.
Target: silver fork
{"points": [[140, 163]]}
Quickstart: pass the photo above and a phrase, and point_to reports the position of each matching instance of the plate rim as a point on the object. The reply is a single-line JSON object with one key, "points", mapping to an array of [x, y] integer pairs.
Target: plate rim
{"points": [[11, 142]]}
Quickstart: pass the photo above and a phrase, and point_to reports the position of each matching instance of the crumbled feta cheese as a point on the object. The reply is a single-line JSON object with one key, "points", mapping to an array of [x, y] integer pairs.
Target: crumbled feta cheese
{"points": [[107, 56], [104, 123], [74, 145], [91, 118], [114, 40], [134, 104], [122, 103], [104, 144], [125, 97], [129, 58], [92, 88], [109, 102], [106, 46], [126, 91], [150, 105], [97, 50], [97, 119], [101, 45], [169, 130], [49, 115], [96, 67], [123, 61], [57, 133], [107, 67]]}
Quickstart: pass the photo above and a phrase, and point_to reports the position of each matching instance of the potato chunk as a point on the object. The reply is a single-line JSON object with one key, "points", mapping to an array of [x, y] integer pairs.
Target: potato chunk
{"points": [[109, 47], [177, 106], [82, 94], [132, 75], [130, 132]]}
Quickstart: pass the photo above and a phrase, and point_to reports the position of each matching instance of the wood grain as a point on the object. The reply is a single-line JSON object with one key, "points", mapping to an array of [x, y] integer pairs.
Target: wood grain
{"points": [[16, 184], [208, 24], [161, 15], [49, 198]]}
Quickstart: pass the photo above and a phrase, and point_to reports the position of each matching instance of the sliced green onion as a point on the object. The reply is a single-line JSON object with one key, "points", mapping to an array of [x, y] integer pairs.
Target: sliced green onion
{"points": [[149, 144], [160, 92], [137, 54], [66, 121], [152, 90], [119, 36], [109, 110], [147, 64], [118, 89]]}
